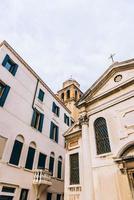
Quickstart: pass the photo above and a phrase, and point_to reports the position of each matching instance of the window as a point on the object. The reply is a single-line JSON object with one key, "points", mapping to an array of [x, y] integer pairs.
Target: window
{"points": [[74, 169], [5, 197], [76, 94], [24, 194], [4, 90], [56, 109], [58, 197], [16, 151], [72, 122], [101, 136], [66, 119], [10, 65], [68, 94], [49, 196], [62, 96], [37, 120], [8, 189], [41, 95], [51, 163], [54, 132], [30, 156], [59, 167], [41, 161]]}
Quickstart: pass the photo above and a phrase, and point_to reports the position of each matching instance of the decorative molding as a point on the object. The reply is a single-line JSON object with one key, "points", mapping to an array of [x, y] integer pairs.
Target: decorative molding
{"points": [[83, 120]]}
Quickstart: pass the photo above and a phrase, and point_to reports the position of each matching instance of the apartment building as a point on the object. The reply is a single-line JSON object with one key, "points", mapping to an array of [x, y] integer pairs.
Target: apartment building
{"points": [[32, 124]]}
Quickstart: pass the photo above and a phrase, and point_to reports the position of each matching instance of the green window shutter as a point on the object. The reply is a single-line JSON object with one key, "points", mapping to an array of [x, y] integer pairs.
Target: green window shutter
{"points": [[51, 130], [41, 122], [49, 196], [58, 197], [30, 158], [59, 169], [57, 134], [16, 152], [51, 165], [15, 67], [4, 95], [58, 111], [33, 118], [41, 161], [41, 95], [53, 107], [64, 118], [5, 60]]}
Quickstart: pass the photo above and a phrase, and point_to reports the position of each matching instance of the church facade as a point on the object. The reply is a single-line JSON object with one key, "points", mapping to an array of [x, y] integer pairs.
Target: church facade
{"points": [[99, 163]]}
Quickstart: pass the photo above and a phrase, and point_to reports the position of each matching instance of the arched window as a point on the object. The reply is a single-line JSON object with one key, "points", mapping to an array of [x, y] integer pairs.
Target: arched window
{"points": [[76, 94], [59, 171], [68, 94], [51, 163], [101, 136], [16, 151], [30, 156], [62, 96]]}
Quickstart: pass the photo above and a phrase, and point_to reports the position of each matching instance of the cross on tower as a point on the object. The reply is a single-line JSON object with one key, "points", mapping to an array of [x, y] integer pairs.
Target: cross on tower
{"points": [[112, 57]]}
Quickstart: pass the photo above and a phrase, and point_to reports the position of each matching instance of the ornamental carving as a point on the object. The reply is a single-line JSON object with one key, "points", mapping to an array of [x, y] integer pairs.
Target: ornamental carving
{"points": [[83, 120]]}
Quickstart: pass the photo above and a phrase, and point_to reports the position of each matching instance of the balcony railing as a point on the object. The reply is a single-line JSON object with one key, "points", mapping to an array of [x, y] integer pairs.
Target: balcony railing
{"points": [[42, 177]]}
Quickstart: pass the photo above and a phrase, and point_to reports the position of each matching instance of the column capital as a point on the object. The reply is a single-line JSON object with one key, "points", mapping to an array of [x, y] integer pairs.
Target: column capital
{"points": [[83, 119]]}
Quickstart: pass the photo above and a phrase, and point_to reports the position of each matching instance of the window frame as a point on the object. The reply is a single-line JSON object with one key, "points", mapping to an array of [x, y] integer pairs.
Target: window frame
{"points": [[102, 140], [13, 66], [41, 95]]}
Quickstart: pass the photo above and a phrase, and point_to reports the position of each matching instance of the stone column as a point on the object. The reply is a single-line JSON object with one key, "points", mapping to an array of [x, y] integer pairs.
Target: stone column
{"points": [[87, 187], [66, 176]]}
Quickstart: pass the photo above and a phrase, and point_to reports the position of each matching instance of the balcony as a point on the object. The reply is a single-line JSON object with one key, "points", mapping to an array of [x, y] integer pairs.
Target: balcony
{"points": [[42, 177]]}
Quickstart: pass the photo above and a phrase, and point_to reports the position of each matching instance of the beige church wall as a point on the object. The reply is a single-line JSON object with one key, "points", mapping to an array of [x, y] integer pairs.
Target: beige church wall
{"points": [[109, 184]]}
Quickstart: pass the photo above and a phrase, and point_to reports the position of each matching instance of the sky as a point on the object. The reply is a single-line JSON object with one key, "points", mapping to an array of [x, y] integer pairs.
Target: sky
{"points": [[64, 38]]}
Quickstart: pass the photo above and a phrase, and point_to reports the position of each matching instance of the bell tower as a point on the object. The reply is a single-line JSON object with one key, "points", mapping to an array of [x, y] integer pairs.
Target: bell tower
{"points": [[69, 94]]}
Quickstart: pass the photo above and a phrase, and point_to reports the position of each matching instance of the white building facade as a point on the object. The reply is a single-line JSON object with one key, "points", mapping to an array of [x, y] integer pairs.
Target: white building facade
{"points": [[99, 162], [31, 133]]}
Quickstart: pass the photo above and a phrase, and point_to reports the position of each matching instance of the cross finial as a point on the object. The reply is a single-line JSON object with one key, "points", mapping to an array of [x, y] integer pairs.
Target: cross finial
{"points": [[112, 57], [70, 76]]}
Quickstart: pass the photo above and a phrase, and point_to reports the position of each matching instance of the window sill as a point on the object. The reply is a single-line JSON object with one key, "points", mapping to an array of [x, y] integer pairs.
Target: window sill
{"points": [[28, 170], [104, 155], [15, 166]]}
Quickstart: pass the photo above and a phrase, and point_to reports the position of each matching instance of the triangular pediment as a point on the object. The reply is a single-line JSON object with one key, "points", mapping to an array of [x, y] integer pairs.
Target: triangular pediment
{"points": [[116, 76], [73, 129]]}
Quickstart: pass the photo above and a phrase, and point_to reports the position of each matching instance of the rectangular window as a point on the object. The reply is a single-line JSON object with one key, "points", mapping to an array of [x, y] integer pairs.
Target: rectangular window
{"points": [[16, 152], [41, 95], [66, 119], [74, 169], [8, 189], [4, 90], [51, 165], [56, 109], [41, 161], [30, 158], [58, 197], [59, 169], [4, 197], [37, 120], [54, 132], [10, 65], [49, 196], [24, 194]]}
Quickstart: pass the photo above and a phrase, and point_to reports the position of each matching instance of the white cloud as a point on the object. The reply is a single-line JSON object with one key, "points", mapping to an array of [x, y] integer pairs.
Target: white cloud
{"points": [[59, 38]]}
